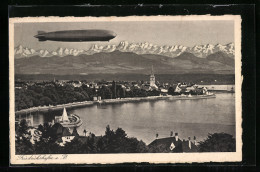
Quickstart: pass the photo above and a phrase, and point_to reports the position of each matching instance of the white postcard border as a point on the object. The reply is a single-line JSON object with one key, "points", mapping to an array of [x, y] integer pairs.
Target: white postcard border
{"points": [[133, 157]]}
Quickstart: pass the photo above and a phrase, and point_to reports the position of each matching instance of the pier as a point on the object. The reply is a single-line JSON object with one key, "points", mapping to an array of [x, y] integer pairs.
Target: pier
{"points": [[224, 88]]}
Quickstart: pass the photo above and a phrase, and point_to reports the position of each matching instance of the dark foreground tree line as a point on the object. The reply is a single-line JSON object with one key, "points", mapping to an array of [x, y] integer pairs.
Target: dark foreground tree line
{"points": [[51, 93], [112, 142]]}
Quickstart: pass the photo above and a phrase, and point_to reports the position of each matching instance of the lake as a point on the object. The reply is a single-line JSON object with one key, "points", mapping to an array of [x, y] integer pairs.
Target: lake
{"points": [[144, 119]]}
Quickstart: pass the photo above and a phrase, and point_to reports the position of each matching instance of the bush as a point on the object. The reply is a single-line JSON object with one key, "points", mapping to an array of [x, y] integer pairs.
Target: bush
{"points": [[218, 142]]}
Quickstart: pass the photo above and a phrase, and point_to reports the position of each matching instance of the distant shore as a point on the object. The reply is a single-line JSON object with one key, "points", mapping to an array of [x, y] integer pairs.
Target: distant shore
{"points": [[205, 79], [108, 101]]}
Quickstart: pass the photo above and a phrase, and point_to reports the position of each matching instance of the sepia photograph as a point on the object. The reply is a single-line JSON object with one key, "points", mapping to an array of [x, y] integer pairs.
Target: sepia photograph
{"points": [[105, 90]]}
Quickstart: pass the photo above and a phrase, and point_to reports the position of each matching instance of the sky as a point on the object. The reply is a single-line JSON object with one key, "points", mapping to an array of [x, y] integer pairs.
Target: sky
{"points": [[187, 33]]}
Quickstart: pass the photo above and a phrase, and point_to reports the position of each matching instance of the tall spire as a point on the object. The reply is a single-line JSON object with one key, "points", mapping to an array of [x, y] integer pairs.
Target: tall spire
{"points": [[65, 116], [152, 78]]}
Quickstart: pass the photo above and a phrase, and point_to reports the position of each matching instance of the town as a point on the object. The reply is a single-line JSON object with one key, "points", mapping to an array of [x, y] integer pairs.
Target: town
{"points": [[47, 93], [62, 133]]}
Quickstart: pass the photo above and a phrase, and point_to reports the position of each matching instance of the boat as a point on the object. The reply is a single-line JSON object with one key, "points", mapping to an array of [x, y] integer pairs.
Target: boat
{"points": [[66, 120]]}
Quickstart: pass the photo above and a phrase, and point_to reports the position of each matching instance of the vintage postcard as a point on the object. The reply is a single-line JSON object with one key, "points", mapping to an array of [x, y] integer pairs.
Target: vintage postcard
{"points": [[105, 90]]}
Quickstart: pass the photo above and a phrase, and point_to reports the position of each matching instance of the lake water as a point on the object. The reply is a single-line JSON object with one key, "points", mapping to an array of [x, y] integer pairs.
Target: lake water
{"points": [[144, 119]]}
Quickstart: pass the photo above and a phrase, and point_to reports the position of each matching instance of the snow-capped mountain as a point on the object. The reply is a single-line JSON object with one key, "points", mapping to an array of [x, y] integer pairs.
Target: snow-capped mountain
{"points": [[65, 52], [148, 48], [21, 52], [97, 49], [205, 50], [201, 51]]}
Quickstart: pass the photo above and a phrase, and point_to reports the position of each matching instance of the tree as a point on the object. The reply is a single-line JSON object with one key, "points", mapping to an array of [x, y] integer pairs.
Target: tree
{"points": [[122, 93], [108, 131], [118, 142], [105, 92], [112, 142], [75, 147], [120, 133], [153, 93], [23, 144], [75, 132], [22, 128], [47, 142], [171, 91], [218, 142], [46, 101]]}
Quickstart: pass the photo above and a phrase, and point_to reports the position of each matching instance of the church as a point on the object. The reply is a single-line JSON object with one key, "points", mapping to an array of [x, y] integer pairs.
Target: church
{"points": [[152, 80]]}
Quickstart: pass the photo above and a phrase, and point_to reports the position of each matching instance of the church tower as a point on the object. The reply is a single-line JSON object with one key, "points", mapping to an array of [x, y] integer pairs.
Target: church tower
{"points": [[152, 79]]}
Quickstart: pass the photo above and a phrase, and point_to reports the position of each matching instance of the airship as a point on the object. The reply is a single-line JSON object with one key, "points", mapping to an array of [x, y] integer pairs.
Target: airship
{"points": [[76, 35]]}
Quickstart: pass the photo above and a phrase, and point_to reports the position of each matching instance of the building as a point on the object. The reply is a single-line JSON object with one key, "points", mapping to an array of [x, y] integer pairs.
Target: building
{"points": [[152, 80], [95, 98], [63, 134], [189, 146], [62, 119], [177, 89], [173, 144], [163, 90]]}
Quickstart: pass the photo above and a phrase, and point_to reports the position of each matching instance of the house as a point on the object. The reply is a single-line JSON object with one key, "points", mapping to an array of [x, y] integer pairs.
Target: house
{"points": [[177, 89], [146, 87], [32, 134], [173, 145], [200, 90], [128, 89], [35, 134], [163, 91], [66, 136], [63, 134], [189, 146], [190, 88], [85, 139], [168, 144]]}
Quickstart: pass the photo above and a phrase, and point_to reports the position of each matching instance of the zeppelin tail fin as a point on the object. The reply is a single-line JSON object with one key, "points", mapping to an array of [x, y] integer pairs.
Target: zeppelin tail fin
{"points": [[40, 36]]}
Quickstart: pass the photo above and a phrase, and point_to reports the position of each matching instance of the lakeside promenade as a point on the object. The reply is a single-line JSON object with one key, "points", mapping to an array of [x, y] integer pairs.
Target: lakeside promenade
{"points": [[88, 103], [107, 101]]}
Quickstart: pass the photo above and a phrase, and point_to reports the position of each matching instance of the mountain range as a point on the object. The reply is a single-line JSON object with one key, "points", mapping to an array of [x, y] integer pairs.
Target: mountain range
{"points": [[201, 51], [126, 59]]}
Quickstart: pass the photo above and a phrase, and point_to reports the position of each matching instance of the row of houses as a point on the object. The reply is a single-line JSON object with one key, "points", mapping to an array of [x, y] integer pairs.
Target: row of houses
{"points": [[182, 88], [174, 144]]}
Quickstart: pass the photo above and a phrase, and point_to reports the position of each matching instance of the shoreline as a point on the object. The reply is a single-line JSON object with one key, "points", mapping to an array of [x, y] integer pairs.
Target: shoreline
{"points": [[109, 101]]}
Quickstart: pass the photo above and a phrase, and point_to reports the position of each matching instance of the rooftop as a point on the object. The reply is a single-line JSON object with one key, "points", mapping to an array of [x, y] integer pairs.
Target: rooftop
{"points": [[171, 145]]}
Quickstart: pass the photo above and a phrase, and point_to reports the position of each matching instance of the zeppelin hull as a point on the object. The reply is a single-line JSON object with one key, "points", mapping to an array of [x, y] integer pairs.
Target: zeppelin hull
{"points": [[76, 35]]}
